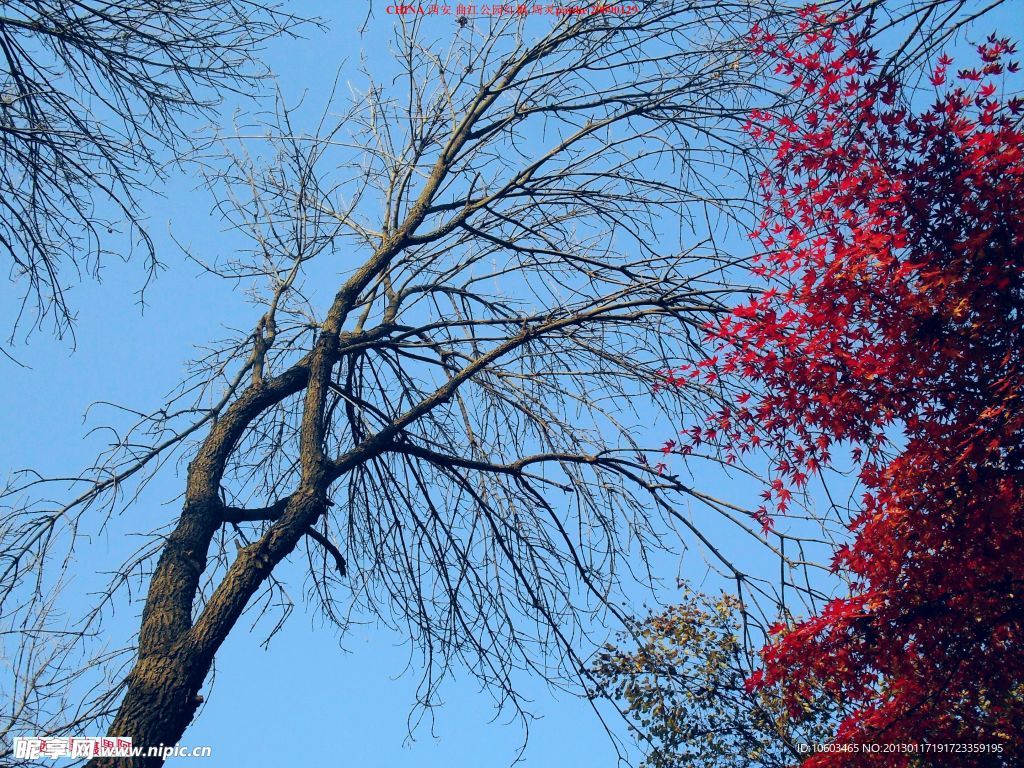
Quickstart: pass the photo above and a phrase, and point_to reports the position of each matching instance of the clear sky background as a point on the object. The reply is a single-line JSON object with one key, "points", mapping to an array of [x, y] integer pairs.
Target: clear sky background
{"points": [[305, 699]]}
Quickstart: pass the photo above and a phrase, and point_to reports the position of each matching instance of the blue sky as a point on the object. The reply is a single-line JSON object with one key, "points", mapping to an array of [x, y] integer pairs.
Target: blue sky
{"points": [[304, 694]]}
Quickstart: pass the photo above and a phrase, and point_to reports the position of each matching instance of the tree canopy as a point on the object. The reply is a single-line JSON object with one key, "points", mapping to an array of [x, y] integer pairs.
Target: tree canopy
{"points": [[891, 331]]}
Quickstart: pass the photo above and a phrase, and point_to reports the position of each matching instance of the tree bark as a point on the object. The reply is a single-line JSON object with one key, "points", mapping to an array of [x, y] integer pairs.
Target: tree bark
{"points": [[163, 687]]}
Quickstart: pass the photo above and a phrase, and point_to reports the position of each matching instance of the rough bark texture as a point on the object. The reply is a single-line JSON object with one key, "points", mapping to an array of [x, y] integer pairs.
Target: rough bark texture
{"points": [[175, 656]]}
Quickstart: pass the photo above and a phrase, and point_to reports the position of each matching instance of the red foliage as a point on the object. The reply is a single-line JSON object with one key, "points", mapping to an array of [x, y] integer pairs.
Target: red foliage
{"points": [[893, 328]]}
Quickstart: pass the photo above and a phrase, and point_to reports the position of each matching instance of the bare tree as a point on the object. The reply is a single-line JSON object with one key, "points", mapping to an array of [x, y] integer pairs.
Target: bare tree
{"points": [[90, 93], [448, 433]]}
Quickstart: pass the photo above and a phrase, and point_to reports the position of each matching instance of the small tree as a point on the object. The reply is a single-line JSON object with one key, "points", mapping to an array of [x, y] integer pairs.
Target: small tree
{"points": [[683, 677]]}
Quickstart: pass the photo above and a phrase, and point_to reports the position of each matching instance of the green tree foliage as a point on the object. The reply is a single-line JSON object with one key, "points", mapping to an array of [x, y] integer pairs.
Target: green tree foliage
{"points": [[681, 677]]}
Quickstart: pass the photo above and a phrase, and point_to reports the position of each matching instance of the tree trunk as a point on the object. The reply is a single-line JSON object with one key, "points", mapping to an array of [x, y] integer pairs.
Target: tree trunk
{"points": [[174, 656], [162, 698]]}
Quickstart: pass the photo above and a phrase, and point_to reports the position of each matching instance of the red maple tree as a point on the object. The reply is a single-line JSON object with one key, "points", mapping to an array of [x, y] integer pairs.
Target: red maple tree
{"points": [[892, 329]]}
